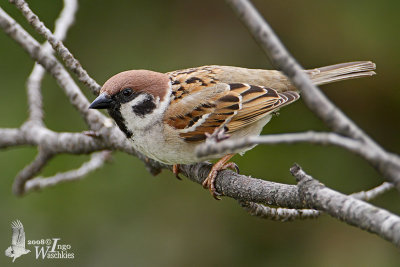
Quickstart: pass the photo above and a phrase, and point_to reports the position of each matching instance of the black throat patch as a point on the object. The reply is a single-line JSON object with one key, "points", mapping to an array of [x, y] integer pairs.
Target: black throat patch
{"points": [[115, 113]]}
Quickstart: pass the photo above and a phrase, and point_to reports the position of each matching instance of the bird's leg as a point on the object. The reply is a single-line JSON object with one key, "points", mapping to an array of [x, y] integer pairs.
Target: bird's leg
{"points": [[222, 164], [175, 170]]}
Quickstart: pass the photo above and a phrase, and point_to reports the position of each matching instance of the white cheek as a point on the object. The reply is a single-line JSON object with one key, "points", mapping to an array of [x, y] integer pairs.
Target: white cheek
{"points": [[135, 121], [132, 120]]}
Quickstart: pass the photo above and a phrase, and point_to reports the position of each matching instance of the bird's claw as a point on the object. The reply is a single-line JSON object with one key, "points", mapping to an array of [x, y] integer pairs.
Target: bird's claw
{"points": [[233, 166], [175, 170], [209, 183], [222, 164]]}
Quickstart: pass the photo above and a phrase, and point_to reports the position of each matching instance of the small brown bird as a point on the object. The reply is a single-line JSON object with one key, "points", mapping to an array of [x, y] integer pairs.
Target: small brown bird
{"points": [[167, 115]]}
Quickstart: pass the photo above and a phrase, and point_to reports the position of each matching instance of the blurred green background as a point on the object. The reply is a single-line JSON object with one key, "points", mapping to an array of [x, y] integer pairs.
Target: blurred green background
{"points": [[121, 215]]}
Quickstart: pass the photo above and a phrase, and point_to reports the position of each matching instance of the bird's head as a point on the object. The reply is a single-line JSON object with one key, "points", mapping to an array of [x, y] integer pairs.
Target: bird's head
{"points": [[9, 252], [134, 98]]}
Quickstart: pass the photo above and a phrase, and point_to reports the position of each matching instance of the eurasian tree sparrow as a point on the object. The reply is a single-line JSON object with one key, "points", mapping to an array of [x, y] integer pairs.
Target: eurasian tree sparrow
{"points": [[167, 115]]}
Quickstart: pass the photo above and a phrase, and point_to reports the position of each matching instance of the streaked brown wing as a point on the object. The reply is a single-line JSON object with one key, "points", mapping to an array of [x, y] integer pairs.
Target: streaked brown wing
{"points": [[257, 102], [200, 104]]}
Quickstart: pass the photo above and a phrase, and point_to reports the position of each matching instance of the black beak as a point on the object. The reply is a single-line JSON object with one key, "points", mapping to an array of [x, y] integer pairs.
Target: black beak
{"points": [[102, 101]]}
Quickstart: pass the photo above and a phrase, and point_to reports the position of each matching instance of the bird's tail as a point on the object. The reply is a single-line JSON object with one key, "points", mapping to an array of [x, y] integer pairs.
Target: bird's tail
{"points": [[344, 71]]}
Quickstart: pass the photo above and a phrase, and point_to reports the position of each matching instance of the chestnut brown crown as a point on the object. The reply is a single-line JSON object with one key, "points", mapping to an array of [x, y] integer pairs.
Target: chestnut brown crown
{"points": [[146, 81]]}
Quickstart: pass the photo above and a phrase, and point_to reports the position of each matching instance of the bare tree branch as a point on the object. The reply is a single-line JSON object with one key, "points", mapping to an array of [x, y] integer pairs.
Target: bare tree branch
{"points": [[312, 96], [33, 85], [34, 82], [110, 137], [97, 161], [278, 214], [246, 188], [374, 192], [346, 208], [389, 166], [70, 61], [232, 146], [29, 171], [51, 64], [250, 192], [11, 137], [355, 146], [284, 214], [31, 132]]}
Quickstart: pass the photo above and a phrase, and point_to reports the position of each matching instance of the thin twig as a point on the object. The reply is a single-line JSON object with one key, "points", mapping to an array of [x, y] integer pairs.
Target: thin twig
{"points": [[389, 166], [374, 192], [104, 127], [96, 161], [228, 146], [30, 171], [233, 146], [92, 117], [70, 61], [33, 86], [278, 214], [273, 47], [62, 24]]}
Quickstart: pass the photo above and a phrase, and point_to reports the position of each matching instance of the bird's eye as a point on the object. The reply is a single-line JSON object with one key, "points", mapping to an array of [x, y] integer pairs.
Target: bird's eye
{"points": [[127, 92]]}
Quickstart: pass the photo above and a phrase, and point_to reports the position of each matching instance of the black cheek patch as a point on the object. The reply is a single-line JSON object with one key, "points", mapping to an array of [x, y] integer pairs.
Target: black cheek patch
{"points": [[146, 107]]}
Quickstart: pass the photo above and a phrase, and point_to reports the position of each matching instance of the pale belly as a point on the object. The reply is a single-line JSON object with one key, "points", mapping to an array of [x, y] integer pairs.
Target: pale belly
{"points": [[154, 144], [165, 146], [166, 152]]}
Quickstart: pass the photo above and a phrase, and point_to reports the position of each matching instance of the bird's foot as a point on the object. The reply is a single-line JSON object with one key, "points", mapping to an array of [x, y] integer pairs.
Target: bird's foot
{"points": [[222, 164], [175, 170]]}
